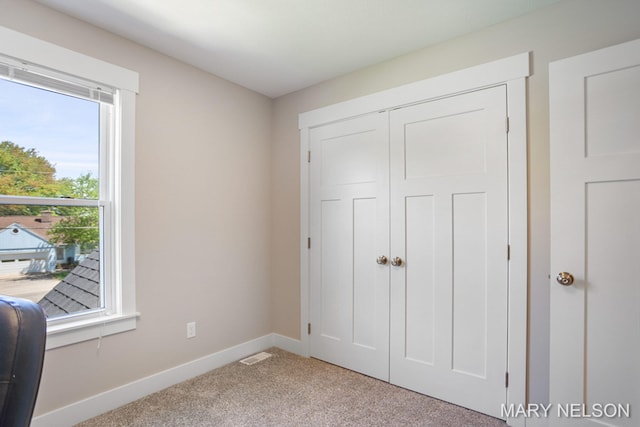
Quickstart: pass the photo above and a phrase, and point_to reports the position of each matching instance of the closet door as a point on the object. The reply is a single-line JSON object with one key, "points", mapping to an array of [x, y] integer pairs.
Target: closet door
{"points": [[595, 237], [349, 290], [449, 231]]}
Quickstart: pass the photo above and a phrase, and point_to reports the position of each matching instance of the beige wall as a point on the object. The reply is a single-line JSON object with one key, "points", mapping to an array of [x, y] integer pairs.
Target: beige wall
{"points": [[202, 214], [217, 178], [563, 30]]}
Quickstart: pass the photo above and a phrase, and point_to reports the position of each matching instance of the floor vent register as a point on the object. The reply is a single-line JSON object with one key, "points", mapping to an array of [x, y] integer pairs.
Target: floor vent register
{"points": [[251, 360]]}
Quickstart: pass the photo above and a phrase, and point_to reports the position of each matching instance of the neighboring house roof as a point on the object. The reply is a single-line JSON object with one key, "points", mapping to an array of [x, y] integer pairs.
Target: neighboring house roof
{"points": [[39, 225], [11, 239], [79, 291]]}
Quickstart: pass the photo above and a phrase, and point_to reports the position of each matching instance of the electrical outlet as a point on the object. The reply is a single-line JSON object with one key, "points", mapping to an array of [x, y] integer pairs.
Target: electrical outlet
{"points": [[191, 329]]}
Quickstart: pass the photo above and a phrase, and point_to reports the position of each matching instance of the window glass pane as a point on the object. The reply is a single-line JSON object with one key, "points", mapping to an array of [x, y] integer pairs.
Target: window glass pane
{"points": [[49, 147], [49, 142], [51, 257]]}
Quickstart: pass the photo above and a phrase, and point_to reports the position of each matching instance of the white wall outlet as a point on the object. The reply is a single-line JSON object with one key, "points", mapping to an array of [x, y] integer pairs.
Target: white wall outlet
{"points": [[191, 329]]}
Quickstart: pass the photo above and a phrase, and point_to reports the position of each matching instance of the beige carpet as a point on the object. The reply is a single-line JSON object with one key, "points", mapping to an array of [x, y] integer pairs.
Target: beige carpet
{"points": [[288, 390]]}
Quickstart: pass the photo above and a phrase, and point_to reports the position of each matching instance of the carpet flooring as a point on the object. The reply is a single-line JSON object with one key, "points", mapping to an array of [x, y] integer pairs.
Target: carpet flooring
{"points": [[288, 390]]}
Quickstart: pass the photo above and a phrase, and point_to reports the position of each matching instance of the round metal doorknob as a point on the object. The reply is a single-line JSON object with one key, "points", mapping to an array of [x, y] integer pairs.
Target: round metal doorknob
{"points": [[396, 262], [382, 260], [564, 278]]}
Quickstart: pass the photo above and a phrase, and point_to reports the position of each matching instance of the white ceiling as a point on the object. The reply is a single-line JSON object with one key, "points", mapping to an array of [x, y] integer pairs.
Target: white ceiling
{"points": [[279, 46]]}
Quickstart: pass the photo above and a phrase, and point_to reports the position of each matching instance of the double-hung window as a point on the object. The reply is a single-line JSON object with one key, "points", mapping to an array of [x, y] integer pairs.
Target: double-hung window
{"points": [[66, 187]]}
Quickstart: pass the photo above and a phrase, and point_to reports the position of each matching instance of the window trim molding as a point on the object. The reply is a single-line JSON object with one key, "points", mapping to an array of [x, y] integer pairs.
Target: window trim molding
{"points": [[56, 58], [123, 315]]}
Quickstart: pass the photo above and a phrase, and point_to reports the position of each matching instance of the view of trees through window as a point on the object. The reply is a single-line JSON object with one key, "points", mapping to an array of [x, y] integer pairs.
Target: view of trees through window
{"points": [[49, 193]]}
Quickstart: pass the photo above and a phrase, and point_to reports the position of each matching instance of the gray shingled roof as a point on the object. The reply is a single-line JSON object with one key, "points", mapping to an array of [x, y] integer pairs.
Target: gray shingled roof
{"points": [[79, 291]]}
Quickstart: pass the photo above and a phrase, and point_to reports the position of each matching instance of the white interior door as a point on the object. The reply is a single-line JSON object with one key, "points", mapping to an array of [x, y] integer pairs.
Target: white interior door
{"points": [[449, 225], [349, 207], [595, 237]]}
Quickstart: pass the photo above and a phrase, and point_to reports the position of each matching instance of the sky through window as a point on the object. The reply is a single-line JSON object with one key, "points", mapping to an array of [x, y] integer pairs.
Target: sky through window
{"points": [[63, 129]]}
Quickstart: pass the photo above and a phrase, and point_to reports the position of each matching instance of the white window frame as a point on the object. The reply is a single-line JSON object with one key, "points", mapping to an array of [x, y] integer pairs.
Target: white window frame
{"points": [[119, 232]]}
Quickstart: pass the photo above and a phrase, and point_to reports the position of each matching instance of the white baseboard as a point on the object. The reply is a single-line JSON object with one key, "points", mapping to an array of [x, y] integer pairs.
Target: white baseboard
{"points": [[288, 344], [114, 398]]}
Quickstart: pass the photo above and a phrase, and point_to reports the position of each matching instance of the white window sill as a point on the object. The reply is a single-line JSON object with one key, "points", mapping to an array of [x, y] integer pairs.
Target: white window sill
{"points": [[59, 335]]}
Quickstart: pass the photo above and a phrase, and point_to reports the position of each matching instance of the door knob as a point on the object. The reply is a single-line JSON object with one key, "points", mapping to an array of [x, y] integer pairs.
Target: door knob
{"points": [[396, 262], [564, 278], [382, 260]]}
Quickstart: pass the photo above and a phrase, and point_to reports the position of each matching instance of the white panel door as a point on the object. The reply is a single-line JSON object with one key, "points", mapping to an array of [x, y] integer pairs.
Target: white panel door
{"points": [[595, 237], [449, 226], [349, 206]]}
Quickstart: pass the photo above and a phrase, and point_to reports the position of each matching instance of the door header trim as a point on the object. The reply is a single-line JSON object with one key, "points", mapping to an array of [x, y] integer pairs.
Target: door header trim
{"points": [[483, 75]]}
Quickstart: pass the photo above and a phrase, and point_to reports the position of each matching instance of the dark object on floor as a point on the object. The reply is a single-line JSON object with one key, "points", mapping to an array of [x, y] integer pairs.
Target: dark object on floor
{"points": [[23, 330]]}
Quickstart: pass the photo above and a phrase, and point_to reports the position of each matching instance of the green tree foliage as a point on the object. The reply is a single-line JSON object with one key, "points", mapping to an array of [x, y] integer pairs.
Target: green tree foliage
{"points": [[23, 172], [85, 187], [79, 225]]}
